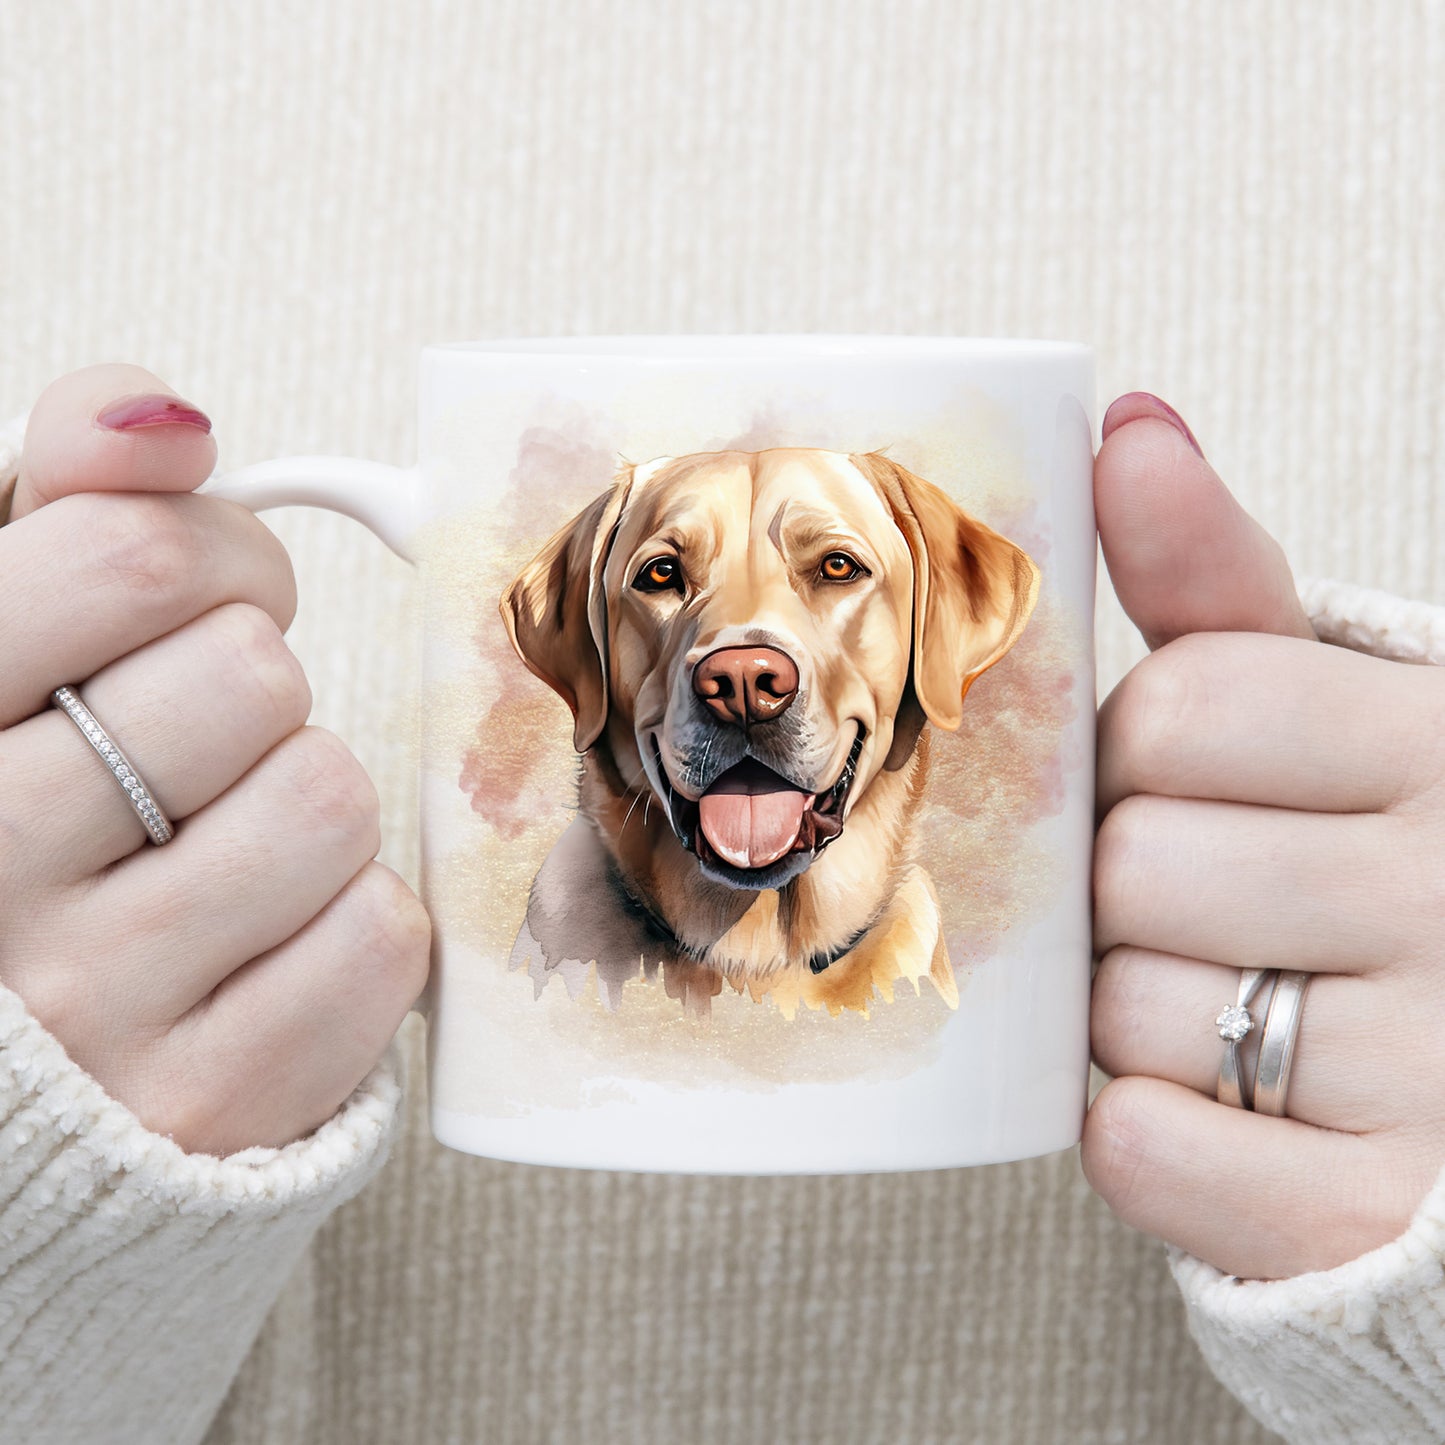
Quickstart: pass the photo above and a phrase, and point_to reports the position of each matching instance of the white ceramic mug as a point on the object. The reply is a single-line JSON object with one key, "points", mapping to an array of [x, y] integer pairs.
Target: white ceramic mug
{"points": [[726, 872]]}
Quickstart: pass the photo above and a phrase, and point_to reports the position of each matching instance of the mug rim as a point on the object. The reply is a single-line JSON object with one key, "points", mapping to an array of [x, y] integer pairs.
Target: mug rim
{"points": [[767, 345]]}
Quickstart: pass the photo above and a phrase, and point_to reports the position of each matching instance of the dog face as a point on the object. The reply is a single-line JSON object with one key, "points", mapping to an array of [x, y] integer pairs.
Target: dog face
{"points": [[760, 634]]}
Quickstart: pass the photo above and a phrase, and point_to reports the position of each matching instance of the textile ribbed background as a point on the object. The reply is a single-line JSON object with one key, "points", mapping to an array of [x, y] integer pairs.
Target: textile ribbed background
{"points": [[272, 205]]}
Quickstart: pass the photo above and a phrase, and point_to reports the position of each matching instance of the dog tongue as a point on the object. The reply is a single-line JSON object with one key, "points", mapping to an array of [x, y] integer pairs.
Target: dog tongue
{"points": [[751, 816]]}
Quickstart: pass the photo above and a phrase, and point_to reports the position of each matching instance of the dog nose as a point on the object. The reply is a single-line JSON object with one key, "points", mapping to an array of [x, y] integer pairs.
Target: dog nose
{"points": [[746, 684]]}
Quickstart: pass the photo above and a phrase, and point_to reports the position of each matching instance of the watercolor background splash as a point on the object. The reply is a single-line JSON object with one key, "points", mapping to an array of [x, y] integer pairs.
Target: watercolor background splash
{"points": [[499, 740]]}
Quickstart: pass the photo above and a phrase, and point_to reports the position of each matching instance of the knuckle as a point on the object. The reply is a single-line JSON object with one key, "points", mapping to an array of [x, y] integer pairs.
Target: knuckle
{"points": [[142, 544], [332, 789], [1119, 846], [1159, 698], [1116, 1144], [260, 664], [1116, 1014], [394, 930], [267, 552]]}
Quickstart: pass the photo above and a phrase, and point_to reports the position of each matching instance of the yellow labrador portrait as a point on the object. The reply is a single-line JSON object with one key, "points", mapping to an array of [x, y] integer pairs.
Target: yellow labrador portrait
{"points": [[752, 646]]}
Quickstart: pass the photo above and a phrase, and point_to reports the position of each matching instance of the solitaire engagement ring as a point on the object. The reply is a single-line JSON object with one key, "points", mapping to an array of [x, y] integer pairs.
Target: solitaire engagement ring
{"points": [[1234, 1023]]}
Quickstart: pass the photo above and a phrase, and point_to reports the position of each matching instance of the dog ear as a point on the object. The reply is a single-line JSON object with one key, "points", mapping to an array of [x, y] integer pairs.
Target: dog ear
{"points": [[555, 612], [973, 589]]}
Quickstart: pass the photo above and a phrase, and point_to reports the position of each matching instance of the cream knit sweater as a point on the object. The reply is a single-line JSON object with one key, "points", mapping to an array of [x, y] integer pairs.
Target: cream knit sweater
{"points": [[272, 206]]}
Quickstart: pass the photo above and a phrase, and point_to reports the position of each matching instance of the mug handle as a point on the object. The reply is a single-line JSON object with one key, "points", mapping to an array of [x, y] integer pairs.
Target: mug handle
{"points": [[386, 500]]}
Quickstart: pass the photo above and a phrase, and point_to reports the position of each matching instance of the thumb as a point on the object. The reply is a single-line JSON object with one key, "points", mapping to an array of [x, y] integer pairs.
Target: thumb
{"points": [[1183, 555], [111, 428]]}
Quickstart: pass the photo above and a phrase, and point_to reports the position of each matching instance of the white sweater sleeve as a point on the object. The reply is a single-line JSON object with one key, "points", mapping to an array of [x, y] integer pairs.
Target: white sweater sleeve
{"points": [[1353, 1355], [134, 1276]]}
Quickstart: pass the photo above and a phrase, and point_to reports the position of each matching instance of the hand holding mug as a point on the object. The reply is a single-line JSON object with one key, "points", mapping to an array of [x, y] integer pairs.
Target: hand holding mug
{"points": [[1267, 802], [235, 984]]}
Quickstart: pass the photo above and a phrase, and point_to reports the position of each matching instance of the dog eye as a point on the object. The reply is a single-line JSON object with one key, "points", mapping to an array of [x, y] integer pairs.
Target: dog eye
{"points": [[662, 574], [840, 567]]}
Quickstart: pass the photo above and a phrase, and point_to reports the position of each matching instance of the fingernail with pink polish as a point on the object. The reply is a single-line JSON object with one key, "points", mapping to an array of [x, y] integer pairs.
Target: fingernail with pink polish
{"points": [[1138, 403], [132, 413]]}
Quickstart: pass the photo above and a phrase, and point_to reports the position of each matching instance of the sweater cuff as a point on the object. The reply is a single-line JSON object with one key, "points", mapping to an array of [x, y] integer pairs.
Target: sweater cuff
{"points": [[1367, 619], [1345, 1356], [125, 1259], [1350, 1355]]}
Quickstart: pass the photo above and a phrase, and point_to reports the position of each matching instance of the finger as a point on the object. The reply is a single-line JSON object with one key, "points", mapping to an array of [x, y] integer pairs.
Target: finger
{"points": [[1255, 1196], [1153, 1014], [242, 874], [192, 710], [1183, 555], [276, 1049], [111, 427], [90, 578], [1278, 720], [1240, 885]]}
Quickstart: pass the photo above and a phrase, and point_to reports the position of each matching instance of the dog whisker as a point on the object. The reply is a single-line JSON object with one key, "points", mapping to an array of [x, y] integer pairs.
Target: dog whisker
{"points": [[646, 793]]}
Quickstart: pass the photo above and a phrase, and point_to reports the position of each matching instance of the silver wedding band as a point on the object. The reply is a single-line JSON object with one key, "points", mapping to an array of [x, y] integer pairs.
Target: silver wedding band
{"points": [[1266, 1091], [1276, 1043], [157, 825]]}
